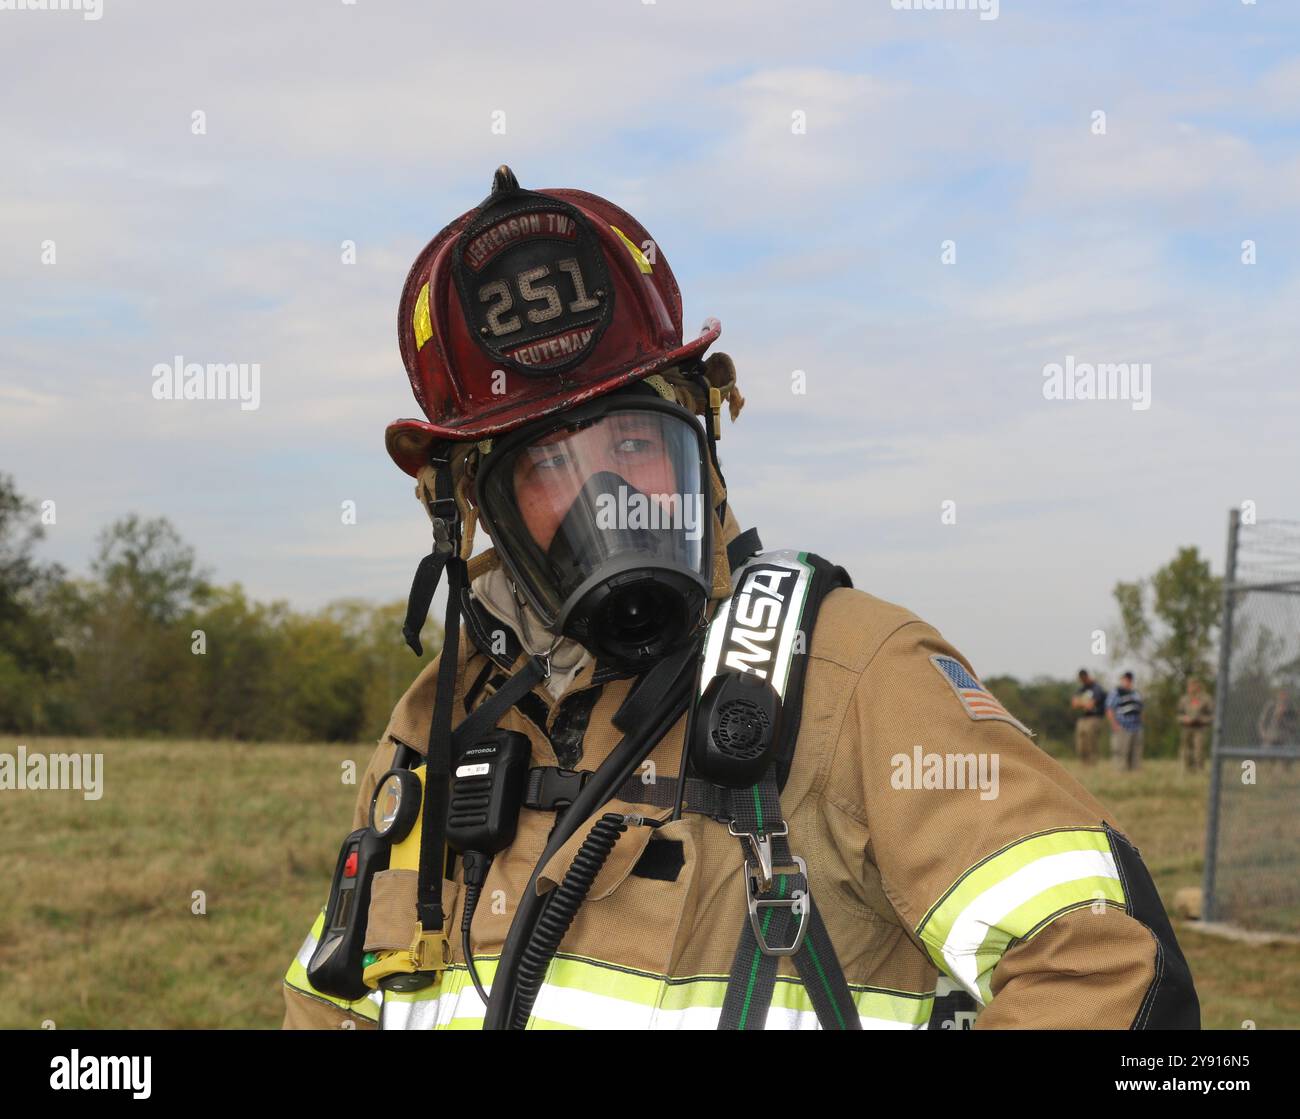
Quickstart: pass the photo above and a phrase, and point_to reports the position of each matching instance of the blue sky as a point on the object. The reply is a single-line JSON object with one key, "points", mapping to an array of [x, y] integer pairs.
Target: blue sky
{"points": [[371, 122]]}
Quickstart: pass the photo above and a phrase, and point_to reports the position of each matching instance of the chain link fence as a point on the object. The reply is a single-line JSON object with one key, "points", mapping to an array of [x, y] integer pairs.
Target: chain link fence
{"points": [[1252, 864]]}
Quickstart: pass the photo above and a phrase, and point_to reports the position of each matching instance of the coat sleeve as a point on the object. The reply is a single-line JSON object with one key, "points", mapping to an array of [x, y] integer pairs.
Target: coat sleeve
{"points": [[306, 1008], [1012, 878]]}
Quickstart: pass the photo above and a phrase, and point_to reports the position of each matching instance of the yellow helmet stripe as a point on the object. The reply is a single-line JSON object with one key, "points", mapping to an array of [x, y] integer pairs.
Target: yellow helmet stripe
{"points": [[637, 255]]}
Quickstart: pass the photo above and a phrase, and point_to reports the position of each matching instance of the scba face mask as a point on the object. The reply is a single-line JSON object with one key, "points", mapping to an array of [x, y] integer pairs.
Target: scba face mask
{"points": [[604, 518]]}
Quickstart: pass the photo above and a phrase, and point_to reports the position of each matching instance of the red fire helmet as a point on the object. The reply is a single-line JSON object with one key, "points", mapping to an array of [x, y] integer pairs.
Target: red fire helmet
{"points": [[531, 303]]}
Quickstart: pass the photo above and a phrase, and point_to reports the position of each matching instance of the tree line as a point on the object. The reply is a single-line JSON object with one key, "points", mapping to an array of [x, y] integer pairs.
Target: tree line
{"points": [[1166, 633], [148, 645]]}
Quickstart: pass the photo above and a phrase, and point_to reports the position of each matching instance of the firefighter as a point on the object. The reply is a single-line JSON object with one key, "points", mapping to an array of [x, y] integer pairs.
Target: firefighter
{"points": [[669, 778]]}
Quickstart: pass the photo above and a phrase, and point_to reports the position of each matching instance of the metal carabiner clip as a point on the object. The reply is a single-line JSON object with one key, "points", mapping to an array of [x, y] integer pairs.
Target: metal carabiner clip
{"points": [[760, 847], [796, 903]]}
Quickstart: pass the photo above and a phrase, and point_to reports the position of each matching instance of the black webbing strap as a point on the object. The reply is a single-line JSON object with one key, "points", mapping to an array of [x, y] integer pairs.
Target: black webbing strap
{"points": [[701, 795], [642, 701], [826, 578], [488, 713], [437, 773], [429, 573], [742, 547], [427, 576], [550, 787], [781, 910]]}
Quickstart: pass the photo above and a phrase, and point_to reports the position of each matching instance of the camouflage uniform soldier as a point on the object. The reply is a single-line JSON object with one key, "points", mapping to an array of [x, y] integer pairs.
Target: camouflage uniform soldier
{"points": [[1195, 713], [1279, 724]]}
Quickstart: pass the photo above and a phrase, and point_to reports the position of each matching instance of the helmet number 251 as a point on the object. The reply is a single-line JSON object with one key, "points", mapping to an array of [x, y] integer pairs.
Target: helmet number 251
{"points": [[530, 292]]}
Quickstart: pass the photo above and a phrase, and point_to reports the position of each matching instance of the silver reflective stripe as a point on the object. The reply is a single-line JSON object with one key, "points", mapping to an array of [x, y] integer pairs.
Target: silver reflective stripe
{"points": [[417, 1014], [585, 1000], [308, 947], [586, 1010]]}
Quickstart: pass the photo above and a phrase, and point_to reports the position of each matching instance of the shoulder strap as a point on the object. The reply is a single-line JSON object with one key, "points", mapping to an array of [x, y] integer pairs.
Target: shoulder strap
{"points": [[765, 628], [783, 921]]}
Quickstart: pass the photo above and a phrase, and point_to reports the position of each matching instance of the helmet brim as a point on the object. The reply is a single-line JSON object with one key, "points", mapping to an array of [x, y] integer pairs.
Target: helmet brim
{"points": [[408, 441]]}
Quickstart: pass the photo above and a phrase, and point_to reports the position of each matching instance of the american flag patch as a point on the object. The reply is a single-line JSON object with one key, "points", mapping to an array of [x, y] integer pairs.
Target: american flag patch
{"points": [[979, 702]]}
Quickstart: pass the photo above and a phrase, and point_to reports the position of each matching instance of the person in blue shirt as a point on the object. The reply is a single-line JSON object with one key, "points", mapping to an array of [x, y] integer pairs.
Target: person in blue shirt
{"points": [[1124, 709]]}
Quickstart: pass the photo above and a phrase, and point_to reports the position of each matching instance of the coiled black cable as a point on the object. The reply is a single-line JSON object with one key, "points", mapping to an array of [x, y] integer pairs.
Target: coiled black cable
{"points": [[632, 749], [561, 910]]}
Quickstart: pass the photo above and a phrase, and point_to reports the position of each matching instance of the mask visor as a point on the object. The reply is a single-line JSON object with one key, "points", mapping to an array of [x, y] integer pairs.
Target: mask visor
{"points": [[605, 523]]}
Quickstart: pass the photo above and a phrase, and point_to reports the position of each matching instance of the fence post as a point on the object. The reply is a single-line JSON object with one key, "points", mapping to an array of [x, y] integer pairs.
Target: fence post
{"points": [[1220, 706]]}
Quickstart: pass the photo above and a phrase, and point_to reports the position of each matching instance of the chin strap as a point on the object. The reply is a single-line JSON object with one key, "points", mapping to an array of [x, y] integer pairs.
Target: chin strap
{"points": [[433, 825], [446, 544], [437, 773]]}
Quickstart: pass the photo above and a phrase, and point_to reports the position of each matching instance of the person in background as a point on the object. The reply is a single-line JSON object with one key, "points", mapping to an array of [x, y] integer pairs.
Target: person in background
{"points": [[1124, 709], [1195, 712], [1279, 722], [1089, 701]]}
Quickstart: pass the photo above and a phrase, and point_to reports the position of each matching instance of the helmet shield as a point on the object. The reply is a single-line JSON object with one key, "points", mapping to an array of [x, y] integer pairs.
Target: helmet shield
{"points": [[604, 518]]}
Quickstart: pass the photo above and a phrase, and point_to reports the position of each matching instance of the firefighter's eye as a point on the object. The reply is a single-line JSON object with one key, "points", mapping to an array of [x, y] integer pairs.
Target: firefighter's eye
{"points": [[547, 459], [631, 447]]}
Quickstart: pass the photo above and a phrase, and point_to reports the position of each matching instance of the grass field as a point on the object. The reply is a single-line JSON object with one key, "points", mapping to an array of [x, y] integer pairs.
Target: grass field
{"points": [[97, 928]]}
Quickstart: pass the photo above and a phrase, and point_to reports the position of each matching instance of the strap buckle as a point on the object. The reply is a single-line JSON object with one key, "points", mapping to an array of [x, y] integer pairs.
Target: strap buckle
{"points": [[715, 407], [430, 950], [796, 903], [444, 524], [555, 788], [760, 847]]}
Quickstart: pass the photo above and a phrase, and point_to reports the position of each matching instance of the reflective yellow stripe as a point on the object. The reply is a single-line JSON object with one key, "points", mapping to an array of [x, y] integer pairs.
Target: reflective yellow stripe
{"points": [[421, 323], [1013, 895], [296, 977], [642, 262], [587, 994]]}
